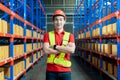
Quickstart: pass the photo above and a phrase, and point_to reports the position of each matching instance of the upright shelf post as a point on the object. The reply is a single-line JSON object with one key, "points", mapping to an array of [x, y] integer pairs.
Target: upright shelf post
{"points": [[118, 41], [24, 35], [85, 22], [11, 41], [100, 40]]}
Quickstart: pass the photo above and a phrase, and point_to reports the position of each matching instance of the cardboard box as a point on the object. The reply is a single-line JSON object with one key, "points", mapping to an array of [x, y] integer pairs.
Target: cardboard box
{"points": [[35, 34], [35, 46], [22, 31], [104, 65], [88, 45], [6, 51], [87, 34], [27, 32], [7, 71], [114, 49], [82, 35], [1, 53], [39, 36], [21, 48], [38, 45], [14, 29], [27, 61], [18, 30], [103, 48], [4, 26], [95, 61], [2, 73], [110, 68], [109, 29], [98, 32], [8, 27], [104, 30], [15, 69], [38, 54], [115, 71], [1, 25], [108, 48], [82, 45], [114, 28], [98, 47], [34, 56], [93, 33], [98, 63]]}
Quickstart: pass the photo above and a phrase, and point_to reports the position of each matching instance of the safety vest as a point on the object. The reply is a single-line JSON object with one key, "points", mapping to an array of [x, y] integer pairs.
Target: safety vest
{"points": [[60, 59]]}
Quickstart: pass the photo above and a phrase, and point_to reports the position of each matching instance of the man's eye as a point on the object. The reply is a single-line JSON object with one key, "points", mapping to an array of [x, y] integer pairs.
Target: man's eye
{"points": [[60, 19], [55, 19]]}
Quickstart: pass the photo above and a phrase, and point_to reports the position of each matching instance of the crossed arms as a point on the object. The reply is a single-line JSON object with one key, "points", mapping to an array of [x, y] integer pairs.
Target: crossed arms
{"points": [[48, 49]]}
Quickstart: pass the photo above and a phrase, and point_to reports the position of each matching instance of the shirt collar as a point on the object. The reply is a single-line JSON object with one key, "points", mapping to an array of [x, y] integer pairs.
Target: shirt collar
{"points": [[63, 32]]}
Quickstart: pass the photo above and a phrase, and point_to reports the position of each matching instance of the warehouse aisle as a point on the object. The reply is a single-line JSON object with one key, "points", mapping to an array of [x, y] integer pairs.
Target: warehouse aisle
{"points": [[79, 71], [37, 72]]}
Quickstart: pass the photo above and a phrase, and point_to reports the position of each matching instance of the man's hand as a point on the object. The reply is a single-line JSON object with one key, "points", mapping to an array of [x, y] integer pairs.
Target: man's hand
{"points": [[51, 46], [48, 49], [70, 48]]}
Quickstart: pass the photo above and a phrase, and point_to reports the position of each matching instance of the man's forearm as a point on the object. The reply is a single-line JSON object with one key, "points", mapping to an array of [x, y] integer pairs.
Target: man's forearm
{"points": [[65, 49], [50, 51]]}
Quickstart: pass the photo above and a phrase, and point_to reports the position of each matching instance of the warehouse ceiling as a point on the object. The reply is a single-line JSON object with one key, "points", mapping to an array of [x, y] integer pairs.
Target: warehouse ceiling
{"points": [[66, 5]]}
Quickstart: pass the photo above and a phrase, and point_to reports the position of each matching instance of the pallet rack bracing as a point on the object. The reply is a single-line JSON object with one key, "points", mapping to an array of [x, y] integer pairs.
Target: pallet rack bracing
{"points": [[20, 39], [98, 38]]}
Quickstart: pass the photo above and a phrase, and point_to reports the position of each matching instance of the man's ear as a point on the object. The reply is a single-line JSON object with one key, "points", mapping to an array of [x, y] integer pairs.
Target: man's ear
{"points": [[65, 21]]}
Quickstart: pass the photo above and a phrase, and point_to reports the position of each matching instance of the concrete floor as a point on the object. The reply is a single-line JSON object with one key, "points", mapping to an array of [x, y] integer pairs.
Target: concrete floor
{"points": [[79, 71]]}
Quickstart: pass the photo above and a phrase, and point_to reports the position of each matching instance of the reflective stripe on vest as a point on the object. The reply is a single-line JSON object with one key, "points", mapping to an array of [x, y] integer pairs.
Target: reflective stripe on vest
{"points": [[60, 59], [52, 42]]}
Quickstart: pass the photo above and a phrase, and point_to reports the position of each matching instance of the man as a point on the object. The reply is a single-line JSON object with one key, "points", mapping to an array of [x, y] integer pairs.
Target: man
{"points": [[58, 44]]}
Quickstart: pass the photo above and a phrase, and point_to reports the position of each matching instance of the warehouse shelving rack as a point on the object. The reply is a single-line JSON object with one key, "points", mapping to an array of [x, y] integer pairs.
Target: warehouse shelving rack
{"points": [[27, 15], [98, 15]]}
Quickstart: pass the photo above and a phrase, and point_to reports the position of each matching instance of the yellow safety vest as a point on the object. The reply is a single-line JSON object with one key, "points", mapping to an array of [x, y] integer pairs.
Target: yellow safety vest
{"points": [[60, 59]]}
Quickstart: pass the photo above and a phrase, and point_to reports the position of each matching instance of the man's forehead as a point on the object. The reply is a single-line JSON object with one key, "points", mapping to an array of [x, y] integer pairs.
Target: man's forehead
{"points": [[59, 17]]}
